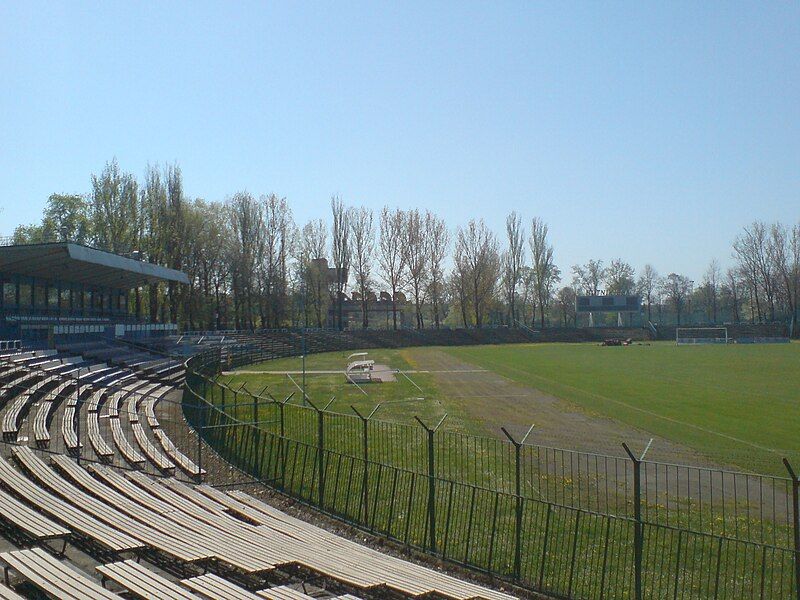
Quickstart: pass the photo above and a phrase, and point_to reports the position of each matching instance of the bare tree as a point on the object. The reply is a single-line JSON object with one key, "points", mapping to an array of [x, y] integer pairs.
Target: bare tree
{"points": [[620, 278], [438, 243], [153, 201], [677, 289], [710, 290], [176, 232], [390, 254], [211, 234], [752, 251], [341, 254], [565, 300], [477, 250], [459, 284], [589, 277], [246, 222], [546, 274], [647, 286], [528, 295], [731, 291], [362, 231], [784, 253], [314, 270], [415, 257], [513, 259], [276, 243], [794, 280]]}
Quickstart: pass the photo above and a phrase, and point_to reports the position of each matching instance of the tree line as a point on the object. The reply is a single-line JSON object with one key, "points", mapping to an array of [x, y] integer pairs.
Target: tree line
{"points": [[250, 265]]}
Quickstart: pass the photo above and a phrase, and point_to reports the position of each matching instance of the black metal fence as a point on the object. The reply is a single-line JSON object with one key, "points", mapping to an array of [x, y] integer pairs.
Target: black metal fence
{"points": [[572, 524]]}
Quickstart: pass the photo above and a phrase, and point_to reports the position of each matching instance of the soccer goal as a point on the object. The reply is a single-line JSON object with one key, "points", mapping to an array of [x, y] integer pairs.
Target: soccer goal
{"points": [[701, 335]]}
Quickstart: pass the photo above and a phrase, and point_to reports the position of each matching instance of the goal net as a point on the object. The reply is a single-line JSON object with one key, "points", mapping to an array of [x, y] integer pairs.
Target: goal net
{"points": [[701, 335]]}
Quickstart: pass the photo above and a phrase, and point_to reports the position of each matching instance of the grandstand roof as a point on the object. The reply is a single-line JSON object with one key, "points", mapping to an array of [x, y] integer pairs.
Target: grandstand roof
{"points": [[76, 263]]}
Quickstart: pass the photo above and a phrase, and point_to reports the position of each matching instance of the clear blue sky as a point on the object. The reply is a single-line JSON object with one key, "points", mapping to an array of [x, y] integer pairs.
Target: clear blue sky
{"points": [[651, 132]]}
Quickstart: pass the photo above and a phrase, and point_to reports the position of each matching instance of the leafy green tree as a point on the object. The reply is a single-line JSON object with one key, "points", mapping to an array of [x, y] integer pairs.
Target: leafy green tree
{"points": [[67, 217], [29, 234]]}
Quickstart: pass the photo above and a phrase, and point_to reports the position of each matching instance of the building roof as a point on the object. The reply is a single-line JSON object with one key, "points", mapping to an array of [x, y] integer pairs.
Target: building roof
{"points": [[75, 263]]}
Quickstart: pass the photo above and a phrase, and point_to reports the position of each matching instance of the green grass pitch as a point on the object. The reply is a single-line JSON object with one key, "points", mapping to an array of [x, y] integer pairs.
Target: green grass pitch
{"points": [[737, 404]]}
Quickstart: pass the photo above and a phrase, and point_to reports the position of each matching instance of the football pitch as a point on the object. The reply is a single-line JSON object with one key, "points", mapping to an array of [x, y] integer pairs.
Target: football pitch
{"points": [[734, 405]]}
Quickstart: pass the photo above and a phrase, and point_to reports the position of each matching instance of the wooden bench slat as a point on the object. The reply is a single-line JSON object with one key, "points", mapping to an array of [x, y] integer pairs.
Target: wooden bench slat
{"points": [[223, 546], [96, 439], [6, 593], [53, 576], [60, 510], [111, 514], [215, 587], [142, 582], [282, 592], [34, 524], [126, 449], [158, 458]]}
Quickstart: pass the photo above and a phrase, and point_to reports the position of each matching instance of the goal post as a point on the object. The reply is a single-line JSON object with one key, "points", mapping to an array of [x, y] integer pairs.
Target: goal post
{"points": [[685, 336]]}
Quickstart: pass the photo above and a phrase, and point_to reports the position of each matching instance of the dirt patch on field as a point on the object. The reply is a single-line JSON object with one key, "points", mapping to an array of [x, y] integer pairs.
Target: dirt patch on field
{"points": [[500, 402]]}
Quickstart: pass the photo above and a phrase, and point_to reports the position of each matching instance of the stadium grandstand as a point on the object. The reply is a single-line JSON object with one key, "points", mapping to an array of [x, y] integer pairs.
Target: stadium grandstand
{"points": [[106, 491]]}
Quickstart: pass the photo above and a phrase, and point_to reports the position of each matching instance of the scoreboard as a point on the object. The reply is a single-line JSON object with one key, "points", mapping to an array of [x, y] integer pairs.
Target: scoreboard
{"points": [[612, 304]]}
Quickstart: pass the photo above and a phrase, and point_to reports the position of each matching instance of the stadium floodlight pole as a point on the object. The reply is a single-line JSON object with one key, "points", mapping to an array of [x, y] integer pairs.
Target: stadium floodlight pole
{"points": [[431, 481], [795, 523], [518, 492], [638, 537]]}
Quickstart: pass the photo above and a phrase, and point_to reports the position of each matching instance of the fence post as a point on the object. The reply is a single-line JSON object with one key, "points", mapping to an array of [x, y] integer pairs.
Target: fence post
{"points": [[365, 455], [431, 482], [282, 440], [638, 532], [200, 420], [518, 493], [321, 449], [258, 464], [795, 525]]}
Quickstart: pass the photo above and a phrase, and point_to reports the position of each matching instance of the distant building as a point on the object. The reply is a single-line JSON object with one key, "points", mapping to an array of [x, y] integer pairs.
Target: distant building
{"points": [[380, 306]]}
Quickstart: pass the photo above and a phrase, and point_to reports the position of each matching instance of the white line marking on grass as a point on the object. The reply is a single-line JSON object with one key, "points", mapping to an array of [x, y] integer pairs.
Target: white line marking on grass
{"points": [[492, 395], [297, 386], [411, 380], [649, 412], [337, 372], [351, 380]]}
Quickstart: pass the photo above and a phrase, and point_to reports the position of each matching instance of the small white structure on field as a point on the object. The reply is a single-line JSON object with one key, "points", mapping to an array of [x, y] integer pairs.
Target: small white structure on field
{"points": [[359, 368]]}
